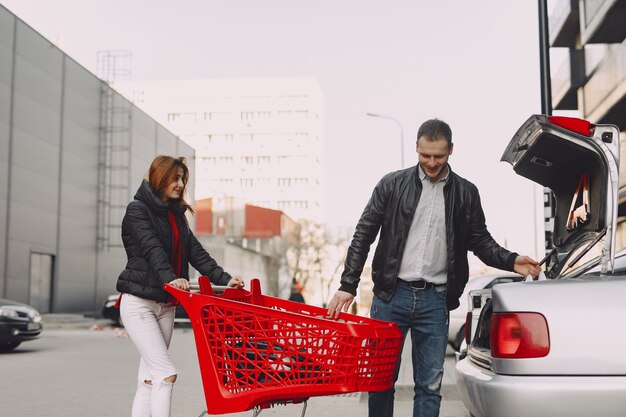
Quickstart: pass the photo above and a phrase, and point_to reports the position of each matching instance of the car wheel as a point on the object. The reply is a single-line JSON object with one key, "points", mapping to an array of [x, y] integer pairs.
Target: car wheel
{"points": [[459, 338], [9, 346]]}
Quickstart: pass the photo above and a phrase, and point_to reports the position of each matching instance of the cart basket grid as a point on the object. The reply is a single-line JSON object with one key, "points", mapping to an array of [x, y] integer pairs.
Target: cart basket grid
{"points": [[255, 350]]}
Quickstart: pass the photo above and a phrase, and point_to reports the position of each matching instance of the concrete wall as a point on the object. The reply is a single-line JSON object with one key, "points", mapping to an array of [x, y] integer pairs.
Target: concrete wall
{"points": [[237, 260], [50, 112]]}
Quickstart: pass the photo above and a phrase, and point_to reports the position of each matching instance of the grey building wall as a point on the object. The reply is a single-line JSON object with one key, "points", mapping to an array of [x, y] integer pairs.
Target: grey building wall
{"points": [[50, 137]]}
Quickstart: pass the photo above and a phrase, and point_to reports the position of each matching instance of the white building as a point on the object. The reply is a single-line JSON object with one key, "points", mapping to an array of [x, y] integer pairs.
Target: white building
{"points": [[256, 139]]}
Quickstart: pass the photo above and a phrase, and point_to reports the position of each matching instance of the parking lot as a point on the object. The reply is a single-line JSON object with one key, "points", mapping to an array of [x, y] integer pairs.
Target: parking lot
{"points": [[87, 368]]}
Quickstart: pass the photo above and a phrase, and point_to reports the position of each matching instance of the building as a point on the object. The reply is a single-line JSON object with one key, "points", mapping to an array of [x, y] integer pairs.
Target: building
{"points": [[590, 36], [249, 240], [72, 154], [256, 139]]}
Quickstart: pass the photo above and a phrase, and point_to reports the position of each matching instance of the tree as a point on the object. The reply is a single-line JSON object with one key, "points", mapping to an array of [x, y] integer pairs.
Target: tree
{"points": [[316, 261]]}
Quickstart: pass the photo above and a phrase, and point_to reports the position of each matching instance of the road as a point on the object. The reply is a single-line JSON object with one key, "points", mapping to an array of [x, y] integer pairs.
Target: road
{"points": [[81, 371]]}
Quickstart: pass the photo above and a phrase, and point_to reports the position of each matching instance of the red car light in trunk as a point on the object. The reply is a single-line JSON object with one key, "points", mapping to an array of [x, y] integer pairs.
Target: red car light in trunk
{"points": [[519, 335], [575, 125]]}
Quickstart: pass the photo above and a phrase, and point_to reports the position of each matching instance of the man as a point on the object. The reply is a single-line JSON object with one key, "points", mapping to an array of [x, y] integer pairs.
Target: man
{"points": [[429, 218]]}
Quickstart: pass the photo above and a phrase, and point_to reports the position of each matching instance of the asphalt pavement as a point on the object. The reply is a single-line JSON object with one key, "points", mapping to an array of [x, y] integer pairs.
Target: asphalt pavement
{"points": [[188, 395]]}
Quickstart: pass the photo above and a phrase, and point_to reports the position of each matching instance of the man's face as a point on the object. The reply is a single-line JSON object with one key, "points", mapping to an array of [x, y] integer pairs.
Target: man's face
{"points": [[433, 156]]}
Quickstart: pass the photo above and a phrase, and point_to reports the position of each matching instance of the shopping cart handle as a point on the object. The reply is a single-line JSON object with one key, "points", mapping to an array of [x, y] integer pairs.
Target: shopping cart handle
{"points": [[215, 288]]}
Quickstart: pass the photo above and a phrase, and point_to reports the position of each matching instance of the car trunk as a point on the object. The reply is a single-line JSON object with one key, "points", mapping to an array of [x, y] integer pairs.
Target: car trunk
{"points": [[567, 158], [580, 341], [567, 162]]}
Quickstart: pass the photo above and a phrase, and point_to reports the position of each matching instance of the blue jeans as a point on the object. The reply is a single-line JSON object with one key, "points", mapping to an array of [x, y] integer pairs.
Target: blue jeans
{"points": [[424, 313]]}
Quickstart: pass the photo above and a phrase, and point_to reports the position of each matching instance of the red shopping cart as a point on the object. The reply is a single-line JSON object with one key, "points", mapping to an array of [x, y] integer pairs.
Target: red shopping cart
{"points": [[256, 351]]}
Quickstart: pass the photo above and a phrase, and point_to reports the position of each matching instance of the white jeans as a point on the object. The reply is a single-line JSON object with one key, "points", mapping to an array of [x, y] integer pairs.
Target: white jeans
{"points": [[149, 325]]}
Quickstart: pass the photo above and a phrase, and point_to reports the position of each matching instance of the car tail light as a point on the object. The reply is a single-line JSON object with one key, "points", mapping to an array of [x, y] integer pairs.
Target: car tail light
{"points": [[467, 332], [580, 126], [519, 335]]}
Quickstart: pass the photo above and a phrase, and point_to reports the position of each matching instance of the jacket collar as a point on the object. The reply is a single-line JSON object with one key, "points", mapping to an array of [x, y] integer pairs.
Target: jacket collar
{"points": [[422, 175], [147, 195]]}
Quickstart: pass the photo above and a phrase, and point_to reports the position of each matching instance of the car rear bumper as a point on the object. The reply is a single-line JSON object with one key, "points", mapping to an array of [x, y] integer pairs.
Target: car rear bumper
{"points": [[486, 394]]}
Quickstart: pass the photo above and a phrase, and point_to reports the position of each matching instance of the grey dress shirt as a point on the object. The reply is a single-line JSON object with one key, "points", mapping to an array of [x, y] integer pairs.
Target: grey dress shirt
{"points": [[425, 252]]}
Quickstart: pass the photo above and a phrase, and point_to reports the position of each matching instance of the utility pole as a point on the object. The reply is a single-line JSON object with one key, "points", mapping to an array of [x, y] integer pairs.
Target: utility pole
{"points": [[546, 109]]}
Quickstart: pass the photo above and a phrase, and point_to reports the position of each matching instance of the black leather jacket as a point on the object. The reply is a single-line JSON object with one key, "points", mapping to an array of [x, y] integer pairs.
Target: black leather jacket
{"points": [[147, 238], [391, 209]]}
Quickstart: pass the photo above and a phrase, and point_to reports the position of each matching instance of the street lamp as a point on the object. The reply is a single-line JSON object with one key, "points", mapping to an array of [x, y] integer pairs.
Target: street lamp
{"points": [[393, 119]]}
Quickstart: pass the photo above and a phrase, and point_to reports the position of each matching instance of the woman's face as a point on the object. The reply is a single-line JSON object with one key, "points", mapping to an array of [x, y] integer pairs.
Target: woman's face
{"points": [[175, 189]]}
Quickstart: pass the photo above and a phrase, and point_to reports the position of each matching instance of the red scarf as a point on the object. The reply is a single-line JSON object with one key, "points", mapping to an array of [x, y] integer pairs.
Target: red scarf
{"points": [[177, 253]]}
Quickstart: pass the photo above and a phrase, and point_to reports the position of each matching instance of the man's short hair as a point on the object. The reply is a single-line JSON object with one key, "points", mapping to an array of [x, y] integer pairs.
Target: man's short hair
{"points": [[435, 129]]}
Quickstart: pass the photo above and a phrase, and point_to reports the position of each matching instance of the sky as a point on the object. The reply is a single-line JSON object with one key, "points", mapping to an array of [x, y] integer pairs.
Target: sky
{"points": [[472, 64]]}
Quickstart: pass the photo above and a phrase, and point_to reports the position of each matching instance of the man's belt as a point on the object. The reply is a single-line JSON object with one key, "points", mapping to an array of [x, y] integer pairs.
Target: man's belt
{"points": [[420, 284]]}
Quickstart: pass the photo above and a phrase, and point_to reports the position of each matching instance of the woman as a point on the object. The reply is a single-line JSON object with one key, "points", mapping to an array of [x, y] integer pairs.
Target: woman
{"points": [[160, 246]]}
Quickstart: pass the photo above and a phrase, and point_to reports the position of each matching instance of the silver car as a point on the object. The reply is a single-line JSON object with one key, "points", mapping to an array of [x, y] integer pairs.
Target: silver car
{"points": [[456, 329], [553, 347]]}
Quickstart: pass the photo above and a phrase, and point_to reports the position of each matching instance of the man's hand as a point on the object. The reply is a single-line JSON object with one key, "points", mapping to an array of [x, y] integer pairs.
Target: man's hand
{"points": [[236, 282], [340, 301], [525, 266]]}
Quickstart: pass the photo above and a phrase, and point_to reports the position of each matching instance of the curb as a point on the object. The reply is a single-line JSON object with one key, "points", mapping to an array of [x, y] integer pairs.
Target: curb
{"points": [[71, 321]]}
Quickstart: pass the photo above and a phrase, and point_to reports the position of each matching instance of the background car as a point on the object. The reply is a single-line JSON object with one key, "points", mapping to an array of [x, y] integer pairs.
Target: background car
{"points": [[18, 323], [456, 329], [553, 347]]}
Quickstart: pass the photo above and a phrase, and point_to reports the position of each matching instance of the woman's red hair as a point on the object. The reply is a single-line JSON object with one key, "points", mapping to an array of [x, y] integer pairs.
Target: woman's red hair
{"points": [[162, 172]]}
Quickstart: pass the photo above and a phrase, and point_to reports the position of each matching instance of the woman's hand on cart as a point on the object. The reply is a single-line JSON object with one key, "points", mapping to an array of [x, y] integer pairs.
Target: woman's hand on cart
{"points": [[180, 283], [236, 282], [340, 301]]}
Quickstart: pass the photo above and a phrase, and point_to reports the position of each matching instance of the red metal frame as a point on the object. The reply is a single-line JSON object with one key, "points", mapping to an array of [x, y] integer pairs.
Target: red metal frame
{"points": [[256, 351]]}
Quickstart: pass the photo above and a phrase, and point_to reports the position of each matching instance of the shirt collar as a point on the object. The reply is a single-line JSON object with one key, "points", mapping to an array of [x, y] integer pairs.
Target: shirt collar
{"points": [[423, 176]]}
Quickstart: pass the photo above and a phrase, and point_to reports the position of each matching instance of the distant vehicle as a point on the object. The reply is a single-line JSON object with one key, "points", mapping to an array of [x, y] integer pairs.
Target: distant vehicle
{"points": [[18, 323], [456, 329], [109, 311], [554, 347]]}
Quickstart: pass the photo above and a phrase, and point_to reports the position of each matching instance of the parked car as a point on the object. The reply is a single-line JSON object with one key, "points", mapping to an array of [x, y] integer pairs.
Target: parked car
{"points": [[18, 323], [109, 311], [553, 347], [456, 328]]}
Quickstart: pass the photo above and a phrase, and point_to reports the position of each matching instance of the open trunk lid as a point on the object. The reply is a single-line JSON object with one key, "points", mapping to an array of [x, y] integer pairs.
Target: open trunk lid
{"points": [[579, 162]]}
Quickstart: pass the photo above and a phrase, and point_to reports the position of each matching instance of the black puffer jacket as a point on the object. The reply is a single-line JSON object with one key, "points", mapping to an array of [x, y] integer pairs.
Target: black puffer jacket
{"points": [[147, 237], [391, 209]]}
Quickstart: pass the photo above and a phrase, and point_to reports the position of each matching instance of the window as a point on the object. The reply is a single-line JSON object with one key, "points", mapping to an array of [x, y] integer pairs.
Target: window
{"points": [[283, 204], [284, 182]]}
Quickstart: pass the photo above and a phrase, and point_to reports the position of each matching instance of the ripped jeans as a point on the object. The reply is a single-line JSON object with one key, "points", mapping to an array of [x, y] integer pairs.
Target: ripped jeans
{"points": [[424, 313], [149, 325]]}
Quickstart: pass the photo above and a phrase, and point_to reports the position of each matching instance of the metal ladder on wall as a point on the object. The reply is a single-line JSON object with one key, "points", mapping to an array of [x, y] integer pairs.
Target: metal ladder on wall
{"points": [[114, 153]]}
